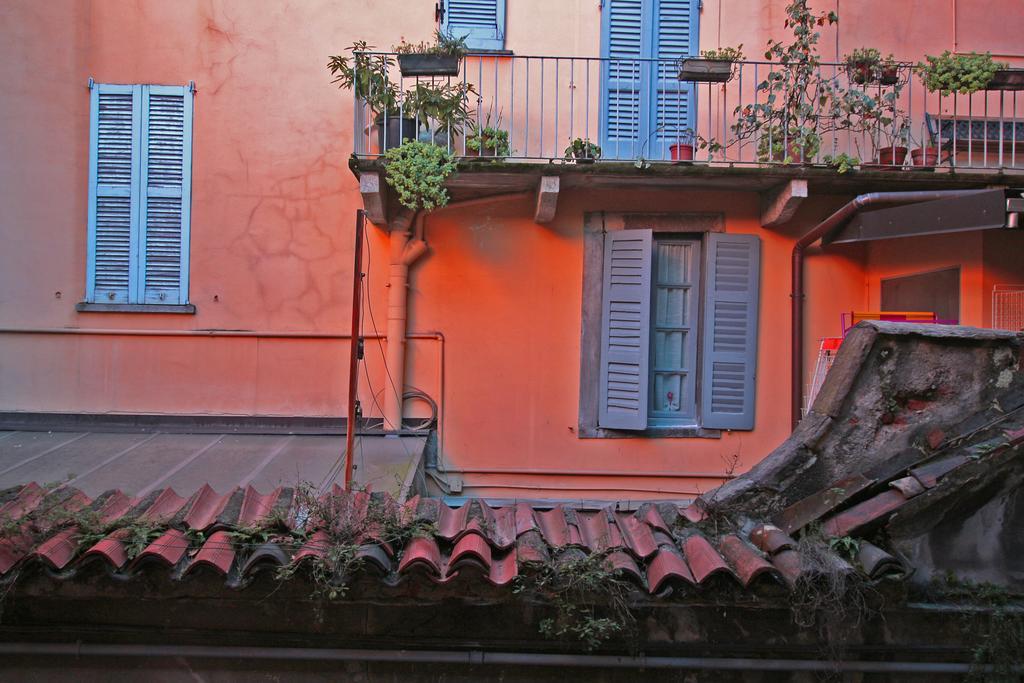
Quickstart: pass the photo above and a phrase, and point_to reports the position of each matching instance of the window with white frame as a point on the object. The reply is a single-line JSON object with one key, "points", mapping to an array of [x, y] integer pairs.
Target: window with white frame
{"points": [[676, 349], [140, 177]]}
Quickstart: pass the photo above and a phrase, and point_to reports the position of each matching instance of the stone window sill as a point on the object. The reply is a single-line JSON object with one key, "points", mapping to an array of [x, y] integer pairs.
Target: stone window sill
{"points": [[86, 307]]}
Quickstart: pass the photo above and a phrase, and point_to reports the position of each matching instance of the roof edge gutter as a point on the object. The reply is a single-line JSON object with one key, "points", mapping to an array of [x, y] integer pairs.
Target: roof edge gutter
{"points": [[821, 230], [479, 658]]}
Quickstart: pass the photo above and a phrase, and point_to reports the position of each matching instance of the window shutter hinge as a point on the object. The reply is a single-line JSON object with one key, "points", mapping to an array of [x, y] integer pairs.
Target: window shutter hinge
{"points": [[192, 87], [92, 83], [439, 13]]}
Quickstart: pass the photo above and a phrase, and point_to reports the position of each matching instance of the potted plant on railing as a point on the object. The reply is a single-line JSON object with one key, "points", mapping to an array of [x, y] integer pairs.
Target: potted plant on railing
{"points": [[963, 74], [440, 110], [366, 75], [487, 141], [713, 66], [925, 156], [895, 137], [440, 58], [682, 149], [866, 65], [799, 104], [582, 151]]}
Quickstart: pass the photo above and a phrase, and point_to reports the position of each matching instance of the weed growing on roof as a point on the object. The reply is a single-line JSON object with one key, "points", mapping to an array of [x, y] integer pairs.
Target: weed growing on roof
{"points": [[831, 595], [347, 522], [589, 597]]}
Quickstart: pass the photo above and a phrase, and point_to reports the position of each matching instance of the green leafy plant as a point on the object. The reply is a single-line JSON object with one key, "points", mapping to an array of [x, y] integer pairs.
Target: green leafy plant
{"points": [[445, 43], [799, 103], [345, 525], [367, 76], [439, 106], [728, 54], [417, 172], [842, 162], [867, 65], [581, 148], [589, 597], [964, 74], [489, 140]]}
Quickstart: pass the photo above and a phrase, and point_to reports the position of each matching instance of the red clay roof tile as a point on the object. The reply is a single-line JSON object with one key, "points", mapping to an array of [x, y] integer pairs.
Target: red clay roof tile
{"points": [[217, 552], [255, 506], [749, 565], [504, 568], [170, 548], [472, 546], [422, 552], [703, 559], [789, 565], [165, 506], [60, 549], [498, 540], [636, 535], [862, 514], [771, 539], [553, 526], [204, 506], [930, 473], [667, 566]]}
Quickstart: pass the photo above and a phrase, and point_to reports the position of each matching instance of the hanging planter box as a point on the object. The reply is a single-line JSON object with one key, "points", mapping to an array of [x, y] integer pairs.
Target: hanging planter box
{"points": [[429, 65], [705, 70], [1007, 79]]}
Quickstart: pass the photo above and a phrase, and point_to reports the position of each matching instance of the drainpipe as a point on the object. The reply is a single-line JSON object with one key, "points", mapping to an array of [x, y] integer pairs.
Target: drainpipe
{"points": [[406, 249], [833, 222]]}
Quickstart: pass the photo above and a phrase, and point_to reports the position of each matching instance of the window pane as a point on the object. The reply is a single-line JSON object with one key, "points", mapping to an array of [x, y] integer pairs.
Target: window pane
{"points": [[671, 306], [673, 350], [668, 350], [669, 392]]}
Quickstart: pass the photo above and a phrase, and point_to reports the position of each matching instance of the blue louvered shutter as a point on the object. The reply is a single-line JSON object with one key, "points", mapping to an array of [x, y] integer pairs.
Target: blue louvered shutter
{"points": [[672, 99], [623, 47], [625, 330], [165, 194], [113, 192], [481, 22], [730, 331]]}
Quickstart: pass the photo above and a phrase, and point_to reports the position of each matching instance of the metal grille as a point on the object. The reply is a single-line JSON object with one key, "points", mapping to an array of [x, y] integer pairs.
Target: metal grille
{"points": [[826, 356], [1008, 307]]}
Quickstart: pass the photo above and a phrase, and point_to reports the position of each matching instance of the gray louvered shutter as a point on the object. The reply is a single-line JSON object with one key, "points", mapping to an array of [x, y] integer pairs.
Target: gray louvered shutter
{"points": [[623, 77], [673, 100], [113, 192], [165, 195], [730, 331], [480, 22], [625, 330]]}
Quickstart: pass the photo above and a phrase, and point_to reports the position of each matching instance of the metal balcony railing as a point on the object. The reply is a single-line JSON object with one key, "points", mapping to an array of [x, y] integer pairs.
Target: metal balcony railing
{"points": [[638, 110]]}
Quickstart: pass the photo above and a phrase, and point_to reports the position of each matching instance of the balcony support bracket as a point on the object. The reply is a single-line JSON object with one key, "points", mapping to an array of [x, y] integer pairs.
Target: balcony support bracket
{"points": [[374, 192], [547, 199], [779, 204]]}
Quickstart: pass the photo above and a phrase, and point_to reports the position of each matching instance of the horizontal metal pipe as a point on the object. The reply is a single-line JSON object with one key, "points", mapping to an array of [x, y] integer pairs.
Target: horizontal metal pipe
{"points": [[480, 658]]}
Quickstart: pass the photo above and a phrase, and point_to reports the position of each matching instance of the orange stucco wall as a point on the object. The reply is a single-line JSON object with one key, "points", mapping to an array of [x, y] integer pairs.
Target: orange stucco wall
{"points": [[271, 251]]}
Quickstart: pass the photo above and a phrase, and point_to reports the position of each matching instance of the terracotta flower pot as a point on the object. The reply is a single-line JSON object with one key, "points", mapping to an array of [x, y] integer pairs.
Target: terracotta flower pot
{"points": [[927, 157], [681, 152], [892, 156]]}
